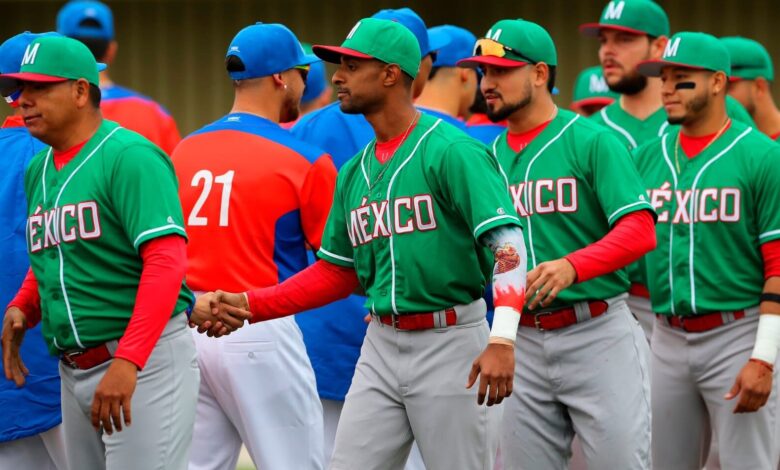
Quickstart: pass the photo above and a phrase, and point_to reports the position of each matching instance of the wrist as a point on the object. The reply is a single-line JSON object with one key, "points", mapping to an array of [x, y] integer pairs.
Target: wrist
{"points": [[125, 364], [505, 323], [767, 338]]}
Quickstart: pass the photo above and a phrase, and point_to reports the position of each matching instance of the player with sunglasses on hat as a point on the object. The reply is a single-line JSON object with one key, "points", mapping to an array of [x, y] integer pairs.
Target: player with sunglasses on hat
{"points": [[577, 342]]}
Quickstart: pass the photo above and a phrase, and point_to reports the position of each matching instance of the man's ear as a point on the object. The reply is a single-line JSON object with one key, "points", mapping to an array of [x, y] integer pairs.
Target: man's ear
{"points": [[81, 92], [278, 80]]}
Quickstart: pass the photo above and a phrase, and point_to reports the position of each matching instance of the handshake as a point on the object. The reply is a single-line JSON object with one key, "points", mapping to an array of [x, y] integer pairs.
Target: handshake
{"points": [[220, 313]]}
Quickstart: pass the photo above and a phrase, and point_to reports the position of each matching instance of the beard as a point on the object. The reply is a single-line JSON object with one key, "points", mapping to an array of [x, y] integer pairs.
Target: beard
{"points": [[290, 110], [630, 84], [508, 109], [693, 109]]}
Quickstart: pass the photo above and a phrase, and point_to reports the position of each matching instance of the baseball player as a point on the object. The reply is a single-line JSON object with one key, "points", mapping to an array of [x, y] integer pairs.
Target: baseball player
{"points": [[577, 341], [92, 23], [629, 32], [107, 248], [254, 197], [403, 227], [752, 74], [714, 276], [591, 92], [30, 434], [450, 90], [334, 334]]}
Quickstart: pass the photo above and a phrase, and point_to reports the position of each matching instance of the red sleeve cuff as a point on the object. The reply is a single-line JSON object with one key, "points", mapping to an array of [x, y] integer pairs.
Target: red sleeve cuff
{"points": [[28, 299], [770, 251], [629, 239]]}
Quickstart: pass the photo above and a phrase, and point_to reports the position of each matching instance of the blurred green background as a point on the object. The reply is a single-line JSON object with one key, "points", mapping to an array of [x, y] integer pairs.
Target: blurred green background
{"points": [[173, 50]]}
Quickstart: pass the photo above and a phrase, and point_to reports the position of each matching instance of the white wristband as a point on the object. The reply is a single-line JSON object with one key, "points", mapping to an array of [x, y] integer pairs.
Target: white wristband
{"points": [[505, 323], [767, 338]]}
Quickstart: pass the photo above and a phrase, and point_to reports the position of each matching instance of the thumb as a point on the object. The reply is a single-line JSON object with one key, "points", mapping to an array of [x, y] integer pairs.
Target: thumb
{"points": [[734, 389], [475, 369]]}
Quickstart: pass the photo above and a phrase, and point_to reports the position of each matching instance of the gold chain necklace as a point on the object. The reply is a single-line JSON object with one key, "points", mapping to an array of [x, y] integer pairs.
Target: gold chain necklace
{"points": [[677, 144], [379, 176]]}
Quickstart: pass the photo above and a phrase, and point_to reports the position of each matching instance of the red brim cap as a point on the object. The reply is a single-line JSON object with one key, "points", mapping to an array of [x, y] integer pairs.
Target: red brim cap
{"points": [[333, 54], [33, 77], [592, 29], [476, 61], [592, 101], [735, 79], [652, 68]]}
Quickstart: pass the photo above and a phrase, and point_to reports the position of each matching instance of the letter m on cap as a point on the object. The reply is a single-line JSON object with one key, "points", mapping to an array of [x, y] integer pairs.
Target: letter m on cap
{"points": [[614, 10], [29, 54], [672, 47]]}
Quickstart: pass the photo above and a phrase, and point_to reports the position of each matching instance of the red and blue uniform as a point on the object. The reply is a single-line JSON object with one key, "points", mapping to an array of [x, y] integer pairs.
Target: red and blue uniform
{"points": [[141, 114], [297, 182]]}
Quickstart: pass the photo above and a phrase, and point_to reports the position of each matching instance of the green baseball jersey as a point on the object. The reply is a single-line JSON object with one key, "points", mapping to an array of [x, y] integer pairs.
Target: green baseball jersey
{"points": [[569, 186], [410, 227], [713, 215], [85, 224], [634, 132]]}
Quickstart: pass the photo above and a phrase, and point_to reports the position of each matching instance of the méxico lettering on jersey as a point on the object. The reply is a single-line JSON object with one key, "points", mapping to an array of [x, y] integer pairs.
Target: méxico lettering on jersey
{"points": [[64, 224], [372, 220]]}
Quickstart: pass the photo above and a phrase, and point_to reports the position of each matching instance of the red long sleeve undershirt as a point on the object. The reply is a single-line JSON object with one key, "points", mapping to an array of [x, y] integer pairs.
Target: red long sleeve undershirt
{"points": [[318, 285], [164, 267], [632, 236]]}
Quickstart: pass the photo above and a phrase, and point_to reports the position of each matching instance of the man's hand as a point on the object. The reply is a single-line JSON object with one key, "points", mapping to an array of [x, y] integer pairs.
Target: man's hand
{"points": [[547, 280], [113, 395], [495, 368], [14, 326], [220, 313], [202, 317], [753, 386]]}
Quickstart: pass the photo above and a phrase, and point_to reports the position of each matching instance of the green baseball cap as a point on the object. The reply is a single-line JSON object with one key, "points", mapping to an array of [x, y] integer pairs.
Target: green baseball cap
{"points": [[632, 16], [690, 50], [372, 38], [54, 59], [591, 88], [513, 43], [749, 59]]}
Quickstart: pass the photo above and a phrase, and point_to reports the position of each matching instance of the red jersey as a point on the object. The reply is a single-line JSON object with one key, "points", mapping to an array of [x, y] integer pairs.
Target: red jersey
{"points": [[254, 200], [140, 114]]}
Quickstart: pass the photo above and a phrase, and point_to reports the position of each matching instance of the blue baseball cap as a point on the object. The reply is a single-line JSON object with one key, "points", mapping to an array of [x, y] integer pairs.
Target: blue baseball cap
{"points": [[12, 52], [266, 49], [453, 44], [413, 22], [316, 81], [73, 14]]}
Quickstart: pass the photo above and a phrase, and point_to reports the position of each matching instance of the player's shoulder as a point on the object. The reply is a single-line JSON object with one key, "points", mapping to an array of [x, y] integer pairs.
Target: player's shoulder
{"points": [[446, 133], [117, 92], [582, 124], [266, 132], [117, 141], [753, 143]]}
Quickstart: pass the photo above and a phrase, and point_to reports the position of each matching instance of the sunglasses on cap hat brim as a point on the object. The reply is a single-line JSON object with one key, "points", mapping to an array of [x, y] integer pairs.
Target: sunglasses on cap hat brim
{"points": [[490, 52]]}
